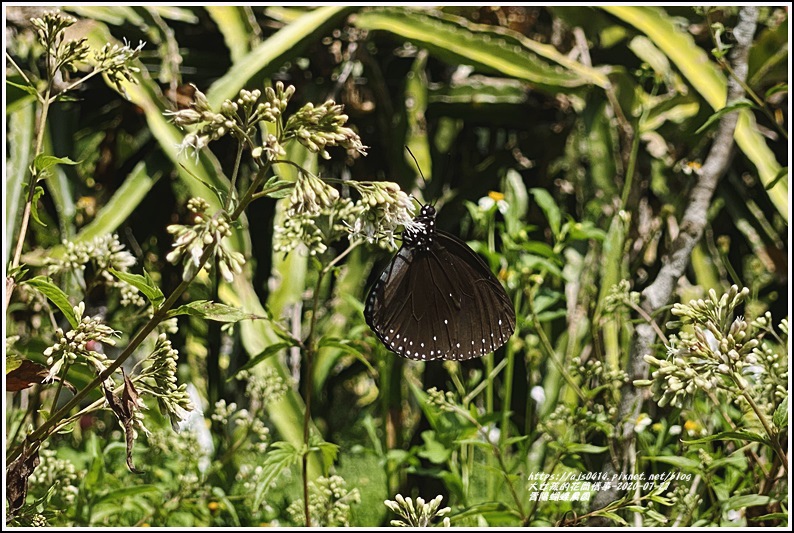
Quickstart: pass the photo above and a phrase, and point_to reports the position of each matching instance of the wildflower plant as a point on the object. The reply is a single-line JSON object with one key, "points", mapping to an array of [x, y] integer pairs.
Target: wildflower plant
{"points": [[205, 240], [716, 351], [329, 502], [419, 513]]}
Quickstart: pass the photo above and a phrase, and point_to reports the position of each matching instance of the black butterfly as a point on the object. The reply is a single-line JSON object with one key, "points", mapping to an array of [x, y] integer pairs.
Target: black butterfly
{"points": [[438, 299]]}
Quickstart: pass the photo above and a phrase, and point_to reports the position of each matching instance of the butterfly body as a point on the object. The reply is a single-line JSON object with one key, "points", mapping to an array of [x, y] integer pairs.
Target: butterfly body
{"points": [[437, 299]]}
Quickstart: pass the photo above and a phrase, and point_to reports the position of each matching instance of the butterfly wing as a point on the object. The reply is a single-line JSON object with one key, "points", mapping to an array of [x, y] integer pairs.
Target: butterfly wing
{"points": [[443, 303]]}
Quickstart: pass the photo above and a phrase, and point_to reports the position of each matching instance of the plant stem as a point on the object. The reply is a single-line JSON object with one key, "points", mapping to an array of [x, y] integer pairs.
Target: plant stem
{"points": [[60, 384], [23, 228], [308, 352], [500, 459], [773, 438], [47, 428]]}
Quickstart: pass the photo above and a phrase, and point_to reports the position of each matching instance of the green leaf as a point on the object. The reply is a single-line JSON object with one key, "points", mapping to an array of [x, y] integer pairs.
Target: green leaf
{"points": [[142, 283], [19, 139], [276, 187], [38, 192], [24, 87], [457, 40], [281, 456], [585, 448], [514, 440], [656, 515], [488, 510], [44, 162], [434, 451], [730, 435], [56, 296], [267, 352], [328, 450], [549, 207], [235, 28], [780, 417], [782, 173], [707, 79], [123, 202], [13, 361], [611, 516], [119, 495], [747, 500], [773, 516], [345, 346], [213, 311], [775, 89], [281, 47], [738, 104], [280, 193], [675, 460]]}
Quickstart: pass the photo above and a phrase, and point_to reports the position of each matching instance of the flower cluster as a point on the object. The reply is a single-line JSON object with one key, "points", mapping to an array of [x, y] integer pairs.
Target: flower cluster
{"points": [[620, 295], [297, 230], [575, 424], [265, 388], [191, 242], [231, 418], [419, 515], [310, 195], [317, 215], [595, 373], [117, 63], [329, 502], [101, 253], [719, 352], [59, 476], [314, 127], [322, 126], [158, 378], [209, 125], [444, 400], [382, 209], [84, 341], [50, 28]]}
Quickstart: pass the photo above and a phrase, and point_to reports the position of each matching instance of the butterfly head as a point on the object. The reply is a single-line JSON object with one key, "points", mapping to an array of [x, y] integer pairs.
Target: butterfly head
{"points": [[422, 231]]}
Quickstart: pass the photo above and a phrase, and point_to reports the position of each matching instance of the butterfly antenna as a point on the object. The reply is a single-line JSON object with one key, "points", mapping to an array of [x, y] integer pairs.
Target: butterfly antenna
{"points": [[417, 168]]}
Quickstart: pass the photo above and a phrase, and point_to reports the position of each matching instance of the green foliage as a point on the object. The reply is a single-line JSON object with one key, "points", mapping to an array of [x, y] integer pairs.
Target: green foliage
{"points": [[187, 276]]}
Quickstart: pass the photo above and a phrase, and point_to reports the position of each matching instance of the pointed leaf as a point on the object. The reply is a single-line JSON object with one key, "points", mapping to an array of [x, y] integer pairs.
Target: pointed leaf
{"points": [[56, 296], [739, 104], [780, 417], [345, 346], [281, 456], [214, 311], [585, 448], [44, 162], [549, 207], [279, 48], [273, 349], [681, 462], [142, 283], [34, 205], [747, 500], [491, 48], [730, 435]]}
